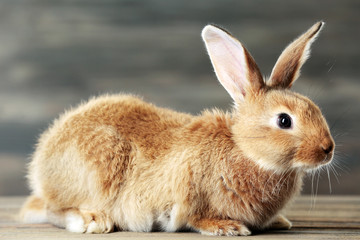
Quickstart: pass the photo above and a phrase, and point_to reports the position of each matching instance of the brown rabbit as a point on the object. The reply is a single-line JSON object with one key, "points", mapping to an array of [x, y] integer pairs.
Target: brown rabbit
{"points": [[117, 161]]}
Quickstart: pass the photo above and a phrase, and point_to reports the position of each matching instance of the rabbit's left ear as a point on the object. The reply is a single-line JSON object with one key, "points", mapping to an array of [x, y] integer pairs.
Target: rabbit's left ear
{"points": [[235, 69], [287, 67]]}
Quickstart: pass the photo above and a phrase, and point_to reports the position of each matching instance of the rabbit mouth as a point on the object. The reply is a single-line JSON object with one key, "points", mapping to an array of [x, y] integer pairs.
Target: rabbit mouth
{"points": [[314, 163], [327, 159], [324, 161]]}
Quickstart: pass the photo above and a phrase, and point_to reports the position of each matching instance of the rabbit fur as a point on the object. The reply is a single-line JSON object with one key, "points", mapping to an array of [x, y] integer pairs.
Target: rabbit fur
{"points": [[118, 162]]}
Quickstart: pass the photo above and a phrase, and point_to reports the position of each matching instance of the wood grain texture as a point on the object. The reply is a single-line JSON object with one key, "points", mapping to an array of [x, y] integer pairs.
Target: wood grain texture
{"points": [[330, 217]]}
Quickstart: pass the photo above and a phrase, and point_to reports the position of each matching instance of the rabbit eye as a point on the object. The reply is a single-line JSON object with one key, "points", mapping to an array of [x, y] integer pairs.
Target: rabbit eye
{"points": [[284, 121]]}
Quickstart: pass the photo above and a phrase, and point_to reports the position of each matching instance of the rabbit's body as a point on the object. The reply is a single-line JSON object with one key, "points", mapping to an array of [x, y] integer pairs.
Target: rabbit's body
{"points": [[126, 168], [119, 161]]}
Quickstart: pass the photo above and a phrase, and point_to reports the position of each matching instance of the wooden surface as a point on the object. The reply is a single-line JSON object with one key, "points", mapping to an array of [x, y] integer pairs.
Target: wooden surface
{"points": [[332, 217]]}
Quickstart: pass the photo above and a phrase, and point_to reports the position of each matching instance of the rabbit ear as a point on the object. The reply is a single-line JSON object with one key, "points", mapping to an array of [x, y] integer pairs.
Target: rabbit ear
{"points": [[287, 67], [234, 67]]}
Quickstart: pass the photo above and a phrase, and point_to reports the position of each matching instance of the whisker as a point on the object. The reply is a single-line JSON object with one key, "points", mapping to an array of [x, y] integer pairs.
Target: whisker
{"points": [[279, 182], [337, 162], [312, 185], [317, 185], [313, 197], [327, 170], [285, 180], [334, 172], [267, 181], [340, 135], [332, 65], [274, 188]]}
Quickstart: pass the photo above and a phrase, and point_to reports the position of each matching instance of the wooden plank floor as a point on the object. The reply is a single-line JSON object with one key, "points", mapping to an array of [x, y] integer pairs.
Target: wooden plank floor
{"points": [[332, 217]]}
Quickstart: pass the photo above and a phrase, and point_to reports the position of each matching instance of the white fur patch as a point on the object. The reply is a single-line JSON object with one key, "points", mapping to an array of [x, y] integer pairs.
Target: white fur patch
{"points": [[265, 165], [170, 221], [138, 221], [32, 216], [75, 223], [174, 223]]}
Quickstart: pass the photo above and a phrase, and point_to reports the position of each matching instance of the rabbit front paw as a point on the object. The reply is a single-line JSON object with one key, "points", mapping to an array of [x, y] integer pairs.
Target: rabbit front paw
{"points": [[280, 223]]}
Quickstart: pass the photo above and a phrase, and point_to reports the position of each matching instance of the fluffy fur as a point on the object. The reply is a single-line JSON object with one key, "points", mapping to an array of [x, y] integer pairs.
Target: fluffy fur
{"points": [[117, 161]]}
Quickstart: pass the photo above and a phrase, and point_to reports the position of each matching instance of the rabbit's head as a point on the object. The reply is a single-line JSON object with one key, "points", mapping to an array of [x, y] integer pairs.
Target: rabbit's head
{"points": [[275, 127]]}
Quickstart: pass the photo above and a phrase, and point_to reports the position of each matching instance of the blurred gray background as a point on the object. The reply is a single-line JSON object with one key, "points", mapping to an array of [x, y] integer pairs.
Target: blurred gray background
{"points": [[55, 54]]}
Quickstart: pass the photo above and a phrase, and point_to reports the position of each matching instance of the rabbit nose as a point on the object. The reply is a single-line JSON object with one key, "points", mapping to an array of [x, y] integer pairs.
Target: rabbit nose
{"points": [[327, 146]]}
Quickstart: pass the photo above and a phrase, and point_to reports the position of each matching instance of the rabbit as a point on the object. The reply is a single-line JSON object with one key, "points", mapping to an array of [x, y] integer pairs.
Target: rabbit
{"points": [[117, 162]]}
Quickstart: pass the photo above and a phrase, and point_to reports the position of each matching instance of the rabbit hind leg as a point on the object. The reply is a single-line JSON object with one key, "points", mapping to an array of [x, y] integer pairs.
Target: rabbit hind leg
{"points": [[33, 210], [280, 223]]}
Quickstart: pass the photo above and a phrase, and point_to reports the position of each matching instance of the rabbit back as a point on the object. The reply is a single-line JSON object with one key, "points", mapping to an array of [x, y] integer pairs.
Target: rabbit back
{"points": [[96, 144]]}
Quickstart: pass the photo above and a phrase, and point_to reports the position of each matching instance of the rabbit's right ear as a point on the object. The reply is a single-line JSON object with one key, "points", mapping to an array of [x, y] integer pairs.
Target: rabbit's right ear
{"points": [[287, 67], [234, 67]]}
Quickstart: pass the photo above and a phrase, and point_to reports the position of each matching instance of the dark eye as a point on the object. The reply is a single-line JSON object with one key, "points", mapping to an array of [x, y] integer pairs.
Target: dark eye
{"points": [[284, 121]]}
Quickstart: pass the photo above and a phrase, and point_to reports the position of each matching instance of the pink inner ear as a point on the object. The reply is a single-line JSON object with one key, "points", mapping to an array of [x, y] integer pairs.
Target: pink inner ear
{"points": [[227, 56], [234, 67], [237, 56]]}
